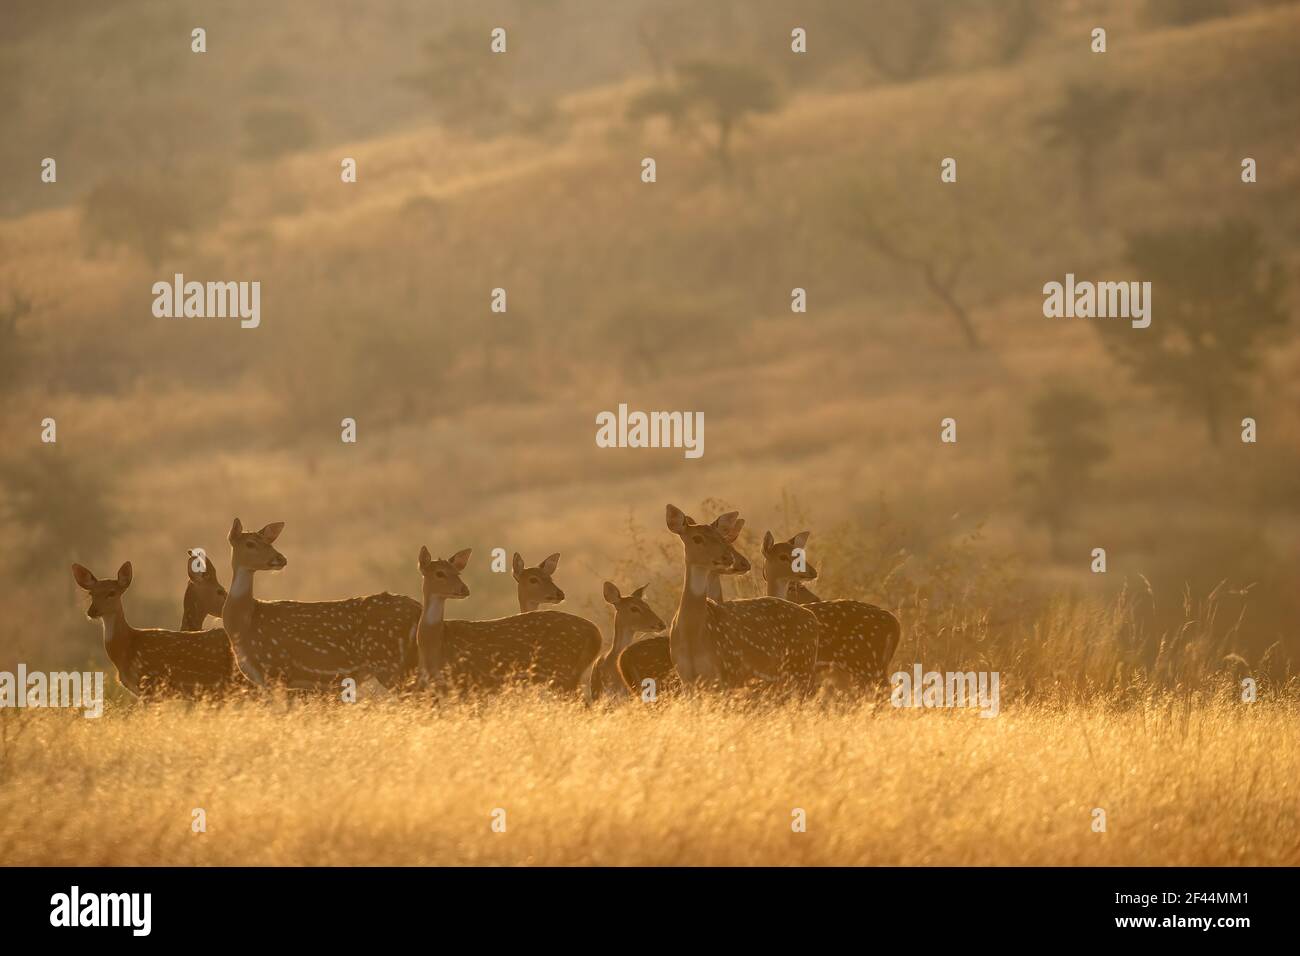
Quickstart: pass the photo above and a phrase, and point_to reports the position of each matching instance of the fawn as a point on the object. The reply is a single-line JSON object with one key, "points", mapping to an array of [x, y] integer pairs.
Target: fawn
{"points": [[764, 641], [204, 595], [535, 585], [649, 659], [313, 645], [544, 647], [632, 616], [857, 639], [153, 663]]}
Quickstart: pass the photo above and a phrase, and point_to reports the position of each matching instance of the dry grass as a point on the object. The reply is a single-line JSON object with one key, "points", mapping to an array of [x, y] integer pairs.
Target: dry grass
{"points": [[394, 782], [477, 431]]}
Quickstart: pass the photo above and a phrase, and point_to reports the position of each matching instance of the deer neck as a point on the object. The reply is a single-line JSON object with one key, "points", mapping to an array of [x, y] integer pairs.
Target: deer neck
{"points": [[801, 595], [624, 635], [118, 638], [526, 606], [193, 616], [688, 642], [237, 612], [429, 634], [715, 587], [779, 587]]}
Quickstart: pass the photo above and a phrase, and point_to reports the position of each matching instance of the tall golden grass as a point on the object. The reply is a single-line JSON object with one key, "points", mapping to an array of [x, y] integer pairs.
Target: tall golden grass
{"points": [[688, 782]]}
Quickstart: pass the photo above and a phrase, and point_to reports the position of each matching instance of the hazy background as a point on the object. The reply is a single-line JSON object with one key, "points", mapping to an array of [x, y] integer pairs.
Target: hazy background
{"points": [[522, 171]]}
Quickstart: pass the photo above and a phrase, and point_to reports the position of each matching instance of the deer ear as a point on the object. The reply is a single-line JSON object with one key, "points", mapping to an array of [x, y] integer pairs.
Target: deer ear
{"points": [[236, 530], [124, 575], [271, 531], [639, 592], [83, 577], [517, 565], [550, 564], [801, 539], [676, 519], [460, 559], [729, 525], [768, 541], [426, 558], [611, 593]]}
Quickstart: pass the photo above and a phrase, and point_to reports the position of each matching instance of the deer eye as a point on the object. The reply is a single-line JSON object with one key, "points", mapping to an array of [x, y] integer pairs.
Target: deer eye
{"points": [[636, 610], [248, 544], [441, 574], [532, 580], [697, 539]]}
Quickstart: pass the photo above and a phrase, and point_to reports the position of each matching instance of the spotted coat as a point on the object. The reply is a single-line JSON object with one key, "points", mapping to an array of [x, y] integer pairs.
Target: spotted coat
{"points": [[544, 647], [306, 644], [649, 659], [764, 642], [154, 664], [856, 638]]}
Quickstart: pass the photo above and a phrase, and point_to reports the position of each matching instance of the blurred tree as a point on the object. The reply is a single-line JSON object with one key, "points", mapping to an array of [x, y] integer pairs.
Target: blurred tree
{"points": [[60, 510], [13, 346], [935, 243], [724, 94], [150, 215], [1220, 294], [1063, 451], [466, 82], [903, 39], [1086, 120], [670, 31]]}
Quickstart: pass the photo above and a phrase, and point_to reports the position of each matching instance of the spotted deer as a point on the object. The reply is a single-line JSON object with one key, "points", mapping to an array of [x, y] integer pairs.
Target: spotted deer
{"points": [[535, 585], [758, 642], [313, 645], [649, 659], [204, 595], [153, 663], [632, 616], [800, 594], [729, 525], [857, 639], [647, 664], [544, 647]]}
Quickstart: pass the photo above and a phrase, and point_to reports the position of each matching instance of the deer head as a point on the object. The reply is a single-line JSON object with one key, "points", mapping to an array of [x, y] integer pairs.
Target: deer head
{"points": [[535, 585], [779, 561], [442, 576], [204, 588], [704, 544], [105, 596], [730, 525], [632, 615], [253, 551]]}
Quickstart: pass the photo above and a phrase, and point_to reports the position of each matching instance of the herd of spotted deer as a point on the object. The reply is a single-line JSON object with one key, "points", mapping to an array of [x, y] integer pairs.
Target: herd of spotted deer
{"points": [[788, 642]]}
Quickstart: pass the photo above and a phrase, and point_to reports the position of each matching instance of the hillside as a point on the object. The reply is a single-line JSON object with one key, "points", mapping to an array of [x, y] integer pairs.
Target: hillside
{"points": [[476, 429]]}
